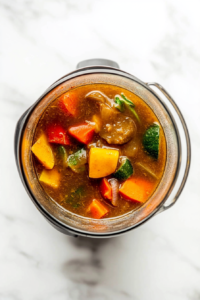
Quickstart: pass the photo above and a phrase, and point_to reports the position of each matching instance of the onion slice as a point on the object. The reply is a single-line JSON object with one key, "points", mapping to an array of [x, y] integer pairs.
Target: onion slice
{"points": [[115, 189]]}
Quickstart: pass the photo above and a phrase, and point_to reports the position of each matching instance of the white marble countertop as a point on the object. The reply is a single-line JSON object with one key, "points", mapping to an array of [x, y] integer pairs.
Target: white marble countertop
{"points": [[40, 42]]}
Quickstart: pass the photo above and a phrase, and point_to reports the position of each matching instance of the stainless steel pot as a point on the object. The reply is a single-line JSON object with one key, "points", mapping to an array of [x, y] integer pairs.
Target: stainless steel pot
{"points": [[178, 151]]}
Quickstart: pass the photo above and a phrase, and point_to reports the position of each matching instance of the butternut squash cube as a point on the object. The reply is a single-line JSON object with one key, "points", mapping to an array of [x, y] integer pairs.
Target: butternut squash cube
{"points": [[43, 152], [50, 177], [102, 162]]}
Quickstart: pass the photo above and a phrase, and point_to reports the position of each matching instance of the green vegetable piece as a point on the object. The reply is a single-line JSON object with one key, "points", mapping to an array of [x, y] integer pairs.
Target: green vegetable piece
{"points": [[78, 158], [130, 105], [77, 161], [125, 170], [151, 140], [63, 153], [134, 112], [119, 104], [127, 101]]}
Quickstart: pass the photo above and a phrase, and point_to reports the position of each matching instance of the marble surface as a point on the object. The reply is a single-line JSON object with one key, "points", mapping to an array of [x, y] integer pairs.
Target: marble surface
{"points": [[41, 41]]}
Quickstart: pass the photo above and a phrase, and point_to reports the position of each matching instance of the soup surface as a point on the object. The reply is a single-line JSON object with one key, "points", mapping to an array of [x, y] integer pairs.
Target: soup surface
{"points": [[99, 151]]}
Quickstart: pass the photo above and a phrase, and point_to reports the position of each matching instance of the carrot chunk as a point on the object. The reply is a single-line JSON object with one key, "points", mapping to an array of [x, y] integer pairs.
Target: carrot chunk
{"points": [[57, 134], [68, 103], [136, 189], [105, 189], [97, 209], [83, 133]]}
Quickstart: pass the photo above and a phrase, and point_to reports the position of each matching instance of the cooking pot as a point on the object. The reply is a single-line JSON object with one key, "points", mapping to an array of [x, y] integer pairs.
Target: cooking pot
{"points": [[177, 139]]}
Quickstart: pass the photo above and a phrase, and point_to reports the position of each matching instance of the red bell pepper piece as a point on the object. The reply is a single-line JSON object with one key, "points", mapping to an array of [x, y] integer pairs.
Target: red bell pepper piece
{"points": [[57, 134], [68, 103], [83, 133], [105, 189]]}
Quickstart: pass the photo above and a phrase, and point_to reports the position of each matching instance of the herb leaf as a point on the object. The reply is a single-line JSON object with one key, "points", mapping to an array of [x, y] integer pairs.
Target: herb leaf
{"points": [[119, 104], [80, 191], [130, 105], [134, 112], [127, 101], [74, 198]]}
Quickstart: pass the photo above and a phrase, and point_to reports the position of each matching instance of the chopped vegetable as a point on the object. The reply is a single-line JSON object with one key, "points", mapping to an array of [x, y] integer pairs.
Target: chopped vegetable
{"points": [[134, 112], [130, 105], [151, 140], [77, 161], [125, 170], [115, 190], [98, 123], [43, 152], [127, 101], [105, 189], [69, 103], [63, 154], [75, 196], [83, 133], [119, 104], [146, 169], [57, 134], [77, 158], [102, 162], [50, 177], [97, 209], [136, 189]]}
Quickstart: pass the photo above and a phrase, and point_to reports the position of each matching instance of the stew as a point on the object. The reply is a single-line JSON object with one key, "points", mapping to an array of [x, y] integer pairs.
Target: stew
{"points": [[99, 151]]}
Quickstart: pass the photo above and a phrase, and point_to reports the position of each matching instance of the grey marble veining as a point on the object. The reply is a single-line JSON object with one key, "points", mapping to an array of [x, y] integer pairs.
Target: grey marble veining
{"points": [[40, 42]]}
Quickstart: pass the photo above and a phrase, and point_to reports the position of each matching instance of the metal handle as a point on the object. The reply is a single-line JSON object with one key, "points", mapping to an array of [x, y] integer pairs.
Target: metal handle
{"points": [[188, 143], [97, 62]]}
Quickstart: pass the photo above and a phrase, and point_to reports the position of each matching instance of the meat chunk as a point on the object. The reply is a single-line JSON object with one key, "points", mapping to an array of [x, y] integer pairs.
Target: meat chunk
{"points": [[118, 130], [108, 113]]}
